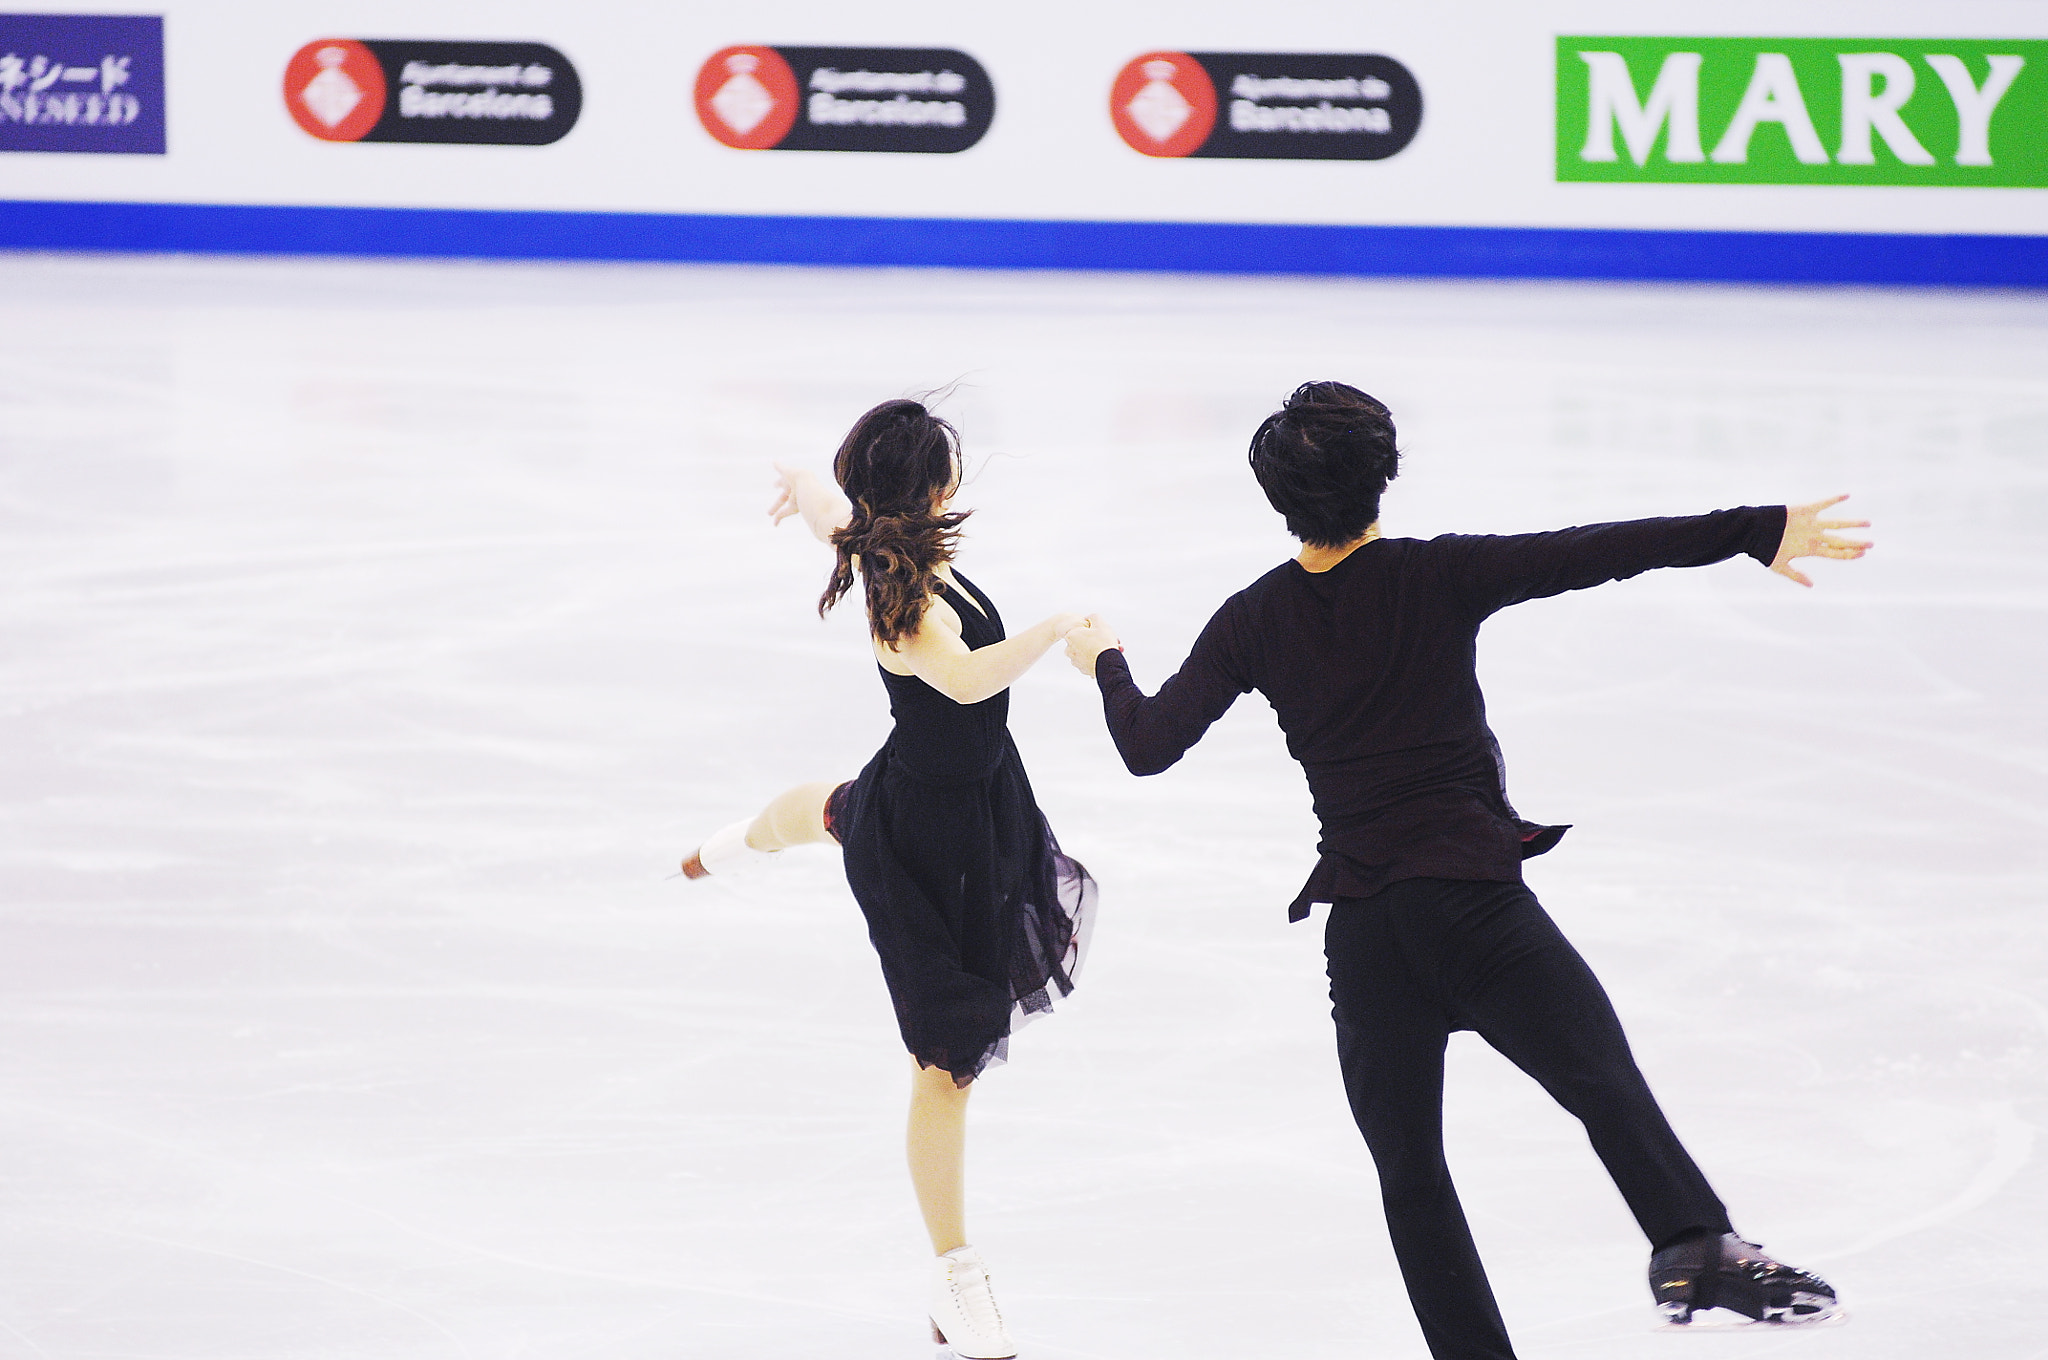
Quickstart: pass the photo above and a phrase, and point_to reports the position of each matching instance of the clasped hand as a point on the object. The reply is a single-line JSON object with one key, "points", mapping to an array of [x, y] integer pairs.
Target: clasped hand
{"points": [[1088, 640]]}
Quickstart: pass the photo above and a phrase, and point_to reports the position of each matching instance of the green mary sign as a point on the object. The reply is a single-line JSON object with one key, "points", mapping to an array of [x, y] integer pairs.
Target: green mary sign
{"points": [[1926, 111]]}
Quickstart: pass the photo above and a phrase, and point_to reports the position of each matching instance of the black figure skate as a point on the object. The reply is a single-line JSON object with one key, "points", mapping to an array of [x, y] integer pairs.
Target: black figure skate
{"points": [[1726, 1272]]}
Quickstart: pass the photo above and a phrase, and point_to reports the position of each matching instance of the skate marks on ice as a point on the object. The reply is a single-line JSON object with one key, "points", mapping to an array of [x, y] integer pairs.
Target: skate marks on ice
{"points": [[2012, 1148]]}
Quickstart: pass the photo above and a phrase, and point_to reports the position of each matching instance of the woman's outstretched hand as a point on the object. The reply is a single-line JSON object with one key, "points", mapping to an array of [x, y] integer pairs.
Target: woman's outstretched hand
{"points": [[1088, 641], [786, 487], [799, 492], [1808, 535]]}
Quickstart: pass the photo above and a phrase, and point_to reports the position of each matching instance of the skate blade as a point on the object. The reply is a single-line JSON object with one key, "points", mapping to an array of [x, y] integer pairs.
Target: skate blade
{"points": [[946, 1351], [1714, 1321]]}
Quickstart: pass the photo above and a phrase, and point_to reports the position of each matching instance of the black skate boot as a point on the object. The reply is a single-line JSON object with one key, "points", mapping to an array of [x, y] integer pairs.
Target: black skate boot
{"points": [[1726, 1272]]}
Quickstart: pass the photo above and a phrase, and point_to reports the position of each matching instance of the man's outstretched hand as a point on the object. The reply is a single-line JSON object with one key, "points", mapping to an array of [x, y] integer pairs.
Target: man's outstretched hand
{"points": [[1808, 535], [1090, 640]]}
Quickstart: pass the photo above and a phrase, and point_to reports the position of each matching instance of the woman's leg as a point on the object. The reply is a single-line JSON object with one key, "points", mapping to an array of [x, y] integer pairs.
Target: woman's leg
{"points": [[793, 817], [964, 1315], [938, 1147]]}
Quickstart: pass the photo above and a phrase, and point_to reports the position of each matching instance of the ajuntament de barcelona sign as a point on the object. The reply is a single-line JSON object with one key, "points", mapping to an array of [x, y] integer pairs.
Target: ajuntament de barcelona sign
{"points": [[1935, 112]]}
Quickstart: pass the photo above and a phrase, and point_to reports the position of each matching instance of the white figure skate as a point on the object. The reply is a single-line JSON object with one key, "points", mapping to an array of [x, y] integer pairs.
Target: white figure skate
{"points": [[965, 1318], [725, 851]]}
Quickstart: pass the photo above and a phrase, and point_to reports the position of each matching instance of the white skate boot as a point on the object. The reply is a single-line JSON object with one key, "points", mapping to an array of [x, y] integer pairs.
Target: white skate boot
{"points": [[725, 851], [965, 1318]]}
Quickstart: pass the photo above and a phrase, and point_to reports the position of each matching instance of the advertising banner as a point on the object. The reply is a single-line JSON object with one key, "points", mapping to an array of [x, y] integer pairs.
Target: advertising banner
{"points": [[388, 90], [1266, 105], [72, 82], [930, 100], [1583, 138], [1938, 113], [396, 91]]}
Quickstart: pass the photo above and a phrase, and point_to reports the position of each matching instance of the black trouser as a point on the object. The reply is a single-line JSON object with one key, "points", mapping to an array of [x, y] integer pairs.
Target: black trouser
{"points": [[1427, 956]]}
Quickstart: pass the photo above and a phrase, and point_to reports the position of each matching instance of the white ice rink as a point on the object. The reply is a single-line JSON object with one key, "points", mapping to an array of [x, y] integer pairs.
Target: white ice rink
{"points": [[376, 636]]}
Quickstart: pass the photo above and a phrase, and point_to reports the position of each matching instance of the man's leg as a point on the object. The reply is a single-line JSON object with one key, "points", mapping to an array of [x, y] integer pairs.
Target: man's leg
{"points": [[1524, 988], [1391, 1031]]}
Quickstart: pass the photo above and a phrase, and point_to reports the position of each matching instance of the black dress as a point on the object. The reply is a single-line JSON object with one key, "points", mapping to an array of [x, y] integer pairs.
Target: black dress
{"points": [[977, 917]]}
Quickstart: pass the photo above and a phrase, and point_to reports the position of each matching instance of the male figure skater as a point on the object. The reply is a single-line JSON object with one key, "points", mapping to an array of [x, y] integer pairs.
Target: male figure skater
{"points": [[1365, 646]]}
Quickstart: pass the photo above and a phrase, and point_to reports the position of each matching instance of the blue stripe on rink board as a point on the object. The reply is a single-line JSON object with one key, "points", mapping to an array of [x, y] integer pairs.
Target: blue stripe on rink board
{"points": [[1234, 248]]}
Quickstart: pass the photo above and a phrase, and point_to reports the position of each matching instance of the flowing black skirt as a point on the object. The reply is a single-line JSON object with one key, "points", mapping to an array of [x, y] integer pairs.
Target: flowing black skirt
{"points": [[978, 919]]}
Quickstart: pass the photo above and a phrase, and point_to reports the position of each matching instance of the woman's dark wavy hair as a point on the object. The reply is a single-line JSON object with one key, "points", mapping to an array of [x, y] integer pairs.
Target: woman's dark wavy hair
{"points": [[1323, 459], [896, 464]]}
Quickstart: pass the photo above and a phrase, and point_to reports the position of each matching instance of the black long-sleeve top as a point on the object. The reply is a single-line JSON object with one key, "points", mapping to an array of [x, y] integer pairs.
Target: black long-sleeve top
{"points": [[1370, 669]]}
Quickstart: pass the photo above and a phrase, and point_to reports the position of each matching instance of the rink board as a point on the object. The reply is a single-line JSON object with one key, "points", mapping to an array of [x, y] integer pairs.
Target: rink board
{"points": [[1782, 142], [1199, 247]]}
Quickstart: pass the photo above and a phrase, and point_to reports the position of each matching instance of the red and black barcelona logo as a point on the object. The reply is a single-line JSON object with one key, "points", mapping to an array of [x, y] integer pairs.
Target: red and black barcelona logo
{"points": [[845, 99], [401, 90], [1266, 105]]}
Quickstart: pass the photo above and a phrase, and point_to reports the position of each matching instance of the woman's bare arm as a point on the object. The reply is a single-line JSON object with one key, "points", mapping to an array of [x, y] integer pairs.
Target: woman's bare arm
{"points": [[937, 655], [799, 491]]}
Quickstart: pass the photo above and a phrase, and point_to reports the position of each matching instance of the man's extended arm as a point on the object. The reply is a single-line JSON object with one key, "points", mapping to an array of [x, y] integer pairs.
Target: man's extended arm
{"points": [[1152, 733], [1492, 573]]}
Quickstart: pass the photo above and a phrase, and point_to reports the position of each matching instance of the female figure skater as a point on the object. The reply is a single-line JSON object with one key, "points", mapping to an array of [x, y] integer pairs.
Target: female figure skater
{"points": [[977, 917]]}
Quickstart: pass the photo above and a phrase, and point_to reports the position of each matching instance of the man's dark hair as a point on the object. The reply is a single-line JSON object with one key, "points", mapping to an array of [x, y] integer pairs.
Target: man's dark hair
{"points": [[1323, 459]]}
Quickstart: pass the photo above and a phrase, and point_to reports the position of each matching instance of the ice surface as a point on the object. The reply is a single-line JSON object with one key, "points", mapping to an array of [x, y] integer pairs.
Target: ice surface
{"points": [[376, 636]]}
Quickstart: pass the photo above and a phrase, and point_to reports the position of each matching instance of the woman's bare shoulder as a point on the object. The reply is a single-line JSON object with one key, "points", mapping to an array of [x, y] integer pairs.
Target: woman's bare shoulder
{"points": [[937, 614]]}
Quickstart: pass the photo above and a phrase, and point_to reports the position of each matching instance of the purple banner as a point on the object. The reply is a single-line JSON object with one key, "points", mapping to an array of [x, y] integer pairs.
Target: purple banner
{"points": [[82, 82]]}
